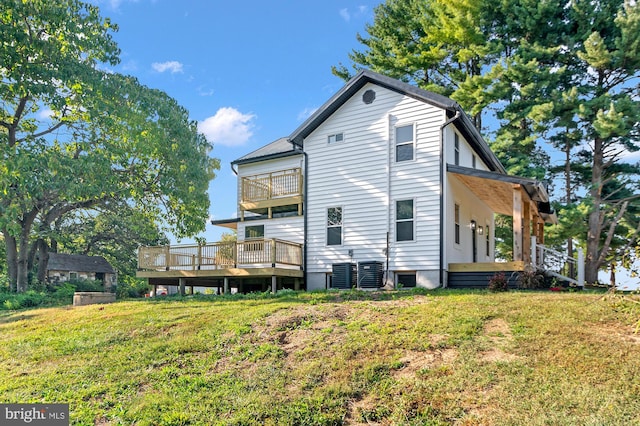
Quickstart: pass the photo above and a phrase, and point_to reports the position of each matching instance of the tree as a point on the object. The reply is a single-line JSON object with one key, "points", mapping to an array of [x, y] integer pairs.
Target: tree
{"points": [[567, 73], [76, 137]]}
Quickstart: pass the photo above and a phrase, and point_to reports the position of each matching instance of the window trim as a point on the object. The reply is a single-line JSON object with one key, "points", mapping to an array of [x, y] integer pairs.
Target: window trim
{"points": [[456, 223], [487, 240], [397, 278], [396, 144], [341, 226], [335, 136], [413, 220], [456, 149], [253, 226]]}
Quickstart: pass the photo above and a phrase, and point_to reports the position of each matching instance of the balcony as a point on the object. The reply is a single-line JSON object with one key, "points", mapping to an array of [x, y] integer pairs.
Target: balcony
{"points": [[279, 191], [260, 257]]}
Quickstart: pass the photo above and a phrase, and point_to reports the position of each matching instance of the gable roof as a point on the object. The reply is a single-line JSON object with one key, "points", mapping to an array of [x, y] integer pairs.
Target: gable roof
{"points": [[462, 122], [78, 263], [276, 149]]}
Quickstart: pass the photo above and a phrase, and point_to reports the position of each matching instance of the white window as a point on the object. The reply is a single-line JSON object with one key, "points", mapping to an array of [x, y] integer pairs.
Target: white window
{"points": [[253, 232], [487, 240], [456, 221], [334, 226], [404, 143], [404, 220], [338, 137], [456, 149]]}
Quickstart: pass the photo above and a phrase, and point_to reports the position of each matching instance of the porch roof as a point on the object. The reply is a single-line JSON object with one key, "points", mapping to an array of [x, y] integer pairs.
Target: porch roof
{"points": [[496, 190]]}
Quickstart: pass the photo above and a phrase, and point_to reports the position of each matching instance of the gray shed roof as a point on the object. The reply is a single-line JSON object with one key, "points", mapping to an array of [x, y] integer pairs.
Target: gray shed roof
{"points": [[78, 263], [276, 149]]}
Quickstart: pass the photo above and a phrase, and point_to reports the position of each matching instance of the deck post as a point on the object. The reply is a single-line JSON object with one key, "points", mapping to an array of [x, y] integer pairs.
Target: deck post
{"points": [[274, 284], [580, 267], [517, 224], [182, 282], [273, 254], [225, 289]]}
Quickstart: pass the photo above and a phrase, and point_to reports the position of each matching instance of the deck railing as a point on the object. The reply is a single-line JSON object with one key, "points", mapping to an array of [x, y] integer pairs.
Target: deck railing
{"points": [[267, 186], [242, 254], [558, 264]]}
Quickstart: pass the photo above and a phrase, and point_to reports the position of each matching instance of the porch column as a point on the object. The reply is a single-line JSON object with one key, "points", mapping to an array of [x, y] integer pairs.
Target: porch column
{"points": [[182, 282], [526, 228], [517, 224], [226, 285], [274, 284]]}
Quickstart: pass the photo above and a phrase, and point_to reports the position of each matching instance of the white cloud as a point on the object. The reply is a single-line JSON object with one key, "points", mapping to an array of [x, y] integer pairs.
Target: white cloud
{"points": [[45, 114], [171, 66], [306, 113], [228, 127], [344, 13]]}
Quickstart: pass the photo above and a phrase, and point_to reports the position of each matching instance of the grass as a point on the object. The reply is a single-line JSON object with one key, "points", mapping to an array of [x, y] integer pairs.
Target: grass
{"points": [[401, 358]]}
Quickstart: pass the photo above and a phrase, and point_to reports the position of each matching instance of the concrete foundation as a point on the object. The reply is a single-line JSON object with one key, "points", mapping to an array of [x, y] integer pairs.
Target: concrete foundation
{"points": [[82, 298]]}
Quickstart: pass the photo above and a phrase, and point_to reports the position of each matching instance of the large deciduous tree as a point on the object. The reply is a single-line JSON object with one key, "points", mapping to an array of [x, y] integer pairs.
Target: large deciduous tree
{"points": [[74, 136], [567, 73]]}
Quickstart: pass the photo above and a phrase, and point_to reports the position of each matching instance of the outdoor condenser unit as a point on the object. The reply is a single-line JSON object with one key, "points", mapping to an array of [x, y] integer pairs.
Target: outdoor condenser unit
{"points": [[344, 275], [370, 274]]}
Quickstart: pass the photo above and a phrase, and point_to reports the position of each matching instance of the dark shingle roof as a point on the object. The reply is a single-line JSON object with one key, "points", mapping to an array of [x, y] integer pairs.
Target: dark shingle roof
{"points": [[78, 263], [279, 148]]}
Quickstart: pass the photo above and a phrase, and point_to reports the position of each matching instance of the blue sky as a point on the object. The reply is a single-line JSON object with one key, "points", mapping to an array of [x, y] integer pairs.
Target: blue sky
{"points": [[249, 72]]}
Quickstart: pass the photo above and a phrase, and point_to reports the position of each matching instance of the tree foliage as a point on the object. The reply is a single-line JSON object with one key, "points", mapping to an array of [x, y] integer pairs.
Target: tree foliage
{"points": [[76, 136], [560, 81]]}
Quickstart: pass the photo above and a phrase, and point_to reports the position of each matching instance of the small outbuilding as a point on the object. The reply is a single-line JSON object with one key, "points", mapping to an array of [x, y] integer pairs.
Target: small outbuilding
{"points": [[66, 267]]}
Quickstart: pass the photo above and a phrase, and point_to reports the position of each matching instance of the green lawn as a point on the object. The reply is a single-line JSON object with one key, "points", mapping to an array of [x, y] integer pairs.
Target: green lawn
{"points": [[444, 357]]}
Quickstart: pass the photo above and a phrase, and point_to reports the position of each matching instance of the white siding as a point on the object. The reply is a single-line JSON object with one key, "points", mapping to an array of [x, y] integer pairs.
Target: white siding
{"points": [[354, 174], [471, 208], [285, 228]]}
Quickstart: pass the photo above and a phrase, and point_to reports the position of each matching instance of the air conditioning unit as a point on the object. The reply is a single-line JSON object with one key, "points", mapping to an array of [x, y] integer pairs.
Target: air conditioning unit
{"points": [[370, 274], [344, 275]]}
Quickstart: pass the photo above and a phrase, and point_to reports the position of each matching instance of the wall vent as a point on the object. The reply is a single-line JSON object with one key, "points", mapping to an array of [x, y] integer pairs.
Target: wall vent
{"points": [[369, 96]]}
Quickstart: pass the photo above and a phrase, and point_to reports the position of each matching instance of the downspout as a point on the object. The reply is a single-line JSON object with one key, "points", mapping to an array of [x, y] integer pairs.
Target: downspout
{"points": [[235, 172], [442, 167], [304, 211], [389, 154]]}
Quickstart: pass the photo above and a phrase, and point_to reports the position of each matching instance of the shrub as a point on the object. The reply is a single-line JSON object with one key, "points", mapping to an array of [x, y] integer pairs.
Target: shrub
{"points": [[532, 279], [498, 282], [131, 287]]}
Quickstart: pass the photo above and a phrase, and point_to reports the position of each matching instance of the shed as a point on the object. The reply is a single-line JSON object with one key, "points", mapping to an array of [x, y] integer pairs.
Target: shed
{"points": [[64, 267]]}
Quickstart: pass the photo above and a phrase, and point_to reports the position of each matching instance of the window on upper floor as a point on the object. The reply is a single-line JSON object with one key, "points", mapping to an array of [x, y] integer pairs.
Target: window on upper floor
{"points": [[473, 161], [404, 143], [334, 226], [404, 220], [456, 149], [338, 137]]}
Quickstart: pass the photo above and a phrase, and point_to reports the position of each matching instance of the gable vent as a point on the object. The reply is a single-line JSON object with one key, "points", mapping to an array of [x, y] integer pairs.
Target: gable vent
{"points": [[369, 96]]}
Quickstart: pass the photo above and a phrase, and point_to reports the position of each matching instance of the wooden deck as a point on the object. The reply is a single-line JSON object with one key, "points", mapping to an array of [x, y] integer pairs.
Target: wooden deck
{"points": [[251, 258], [263, 193]]}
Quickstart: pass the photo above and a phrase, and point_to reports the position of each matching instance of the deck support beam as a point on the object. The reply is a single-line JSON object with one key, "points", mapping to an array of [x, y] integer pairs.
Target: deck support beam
{"points": [[274, 284], [225, 290], [181, 283]]}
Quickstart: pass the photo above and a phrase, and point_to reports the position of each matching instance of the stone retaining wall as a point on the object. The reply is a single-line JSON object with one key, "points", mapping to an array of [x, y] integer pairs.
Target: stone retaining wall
{"points": [[81, 298]]}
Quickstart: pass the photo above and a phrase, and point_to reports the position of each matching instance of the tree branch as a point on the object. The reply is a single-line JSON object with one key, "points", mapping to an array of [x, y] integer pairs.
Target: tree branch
{"points": [[612, 228]]}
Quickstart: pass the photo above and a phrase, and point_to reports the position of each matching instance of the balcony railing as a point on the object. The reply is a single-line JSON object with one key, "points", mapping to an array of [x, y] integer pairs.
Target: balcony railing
{"points": [[242, 254], [268, 186]]}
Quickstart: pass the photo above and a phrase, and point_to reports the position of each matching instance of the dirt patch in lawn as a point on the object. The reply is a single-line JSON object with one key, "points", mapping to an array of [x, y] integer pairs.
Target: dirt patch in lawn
{"points": [[499, 335]]}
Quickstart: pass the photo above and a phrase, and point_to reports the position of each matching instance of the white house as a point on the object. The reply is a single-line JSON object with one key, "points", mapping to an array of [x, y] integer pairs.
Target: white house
{"points": [[386, 184]]}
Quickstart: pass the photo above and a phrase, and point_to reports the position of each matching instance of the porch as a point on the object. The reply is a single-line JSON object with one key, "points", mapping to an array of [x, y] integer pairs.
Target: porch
{"points": [[223, 265], [527, 202], [278, 192]]}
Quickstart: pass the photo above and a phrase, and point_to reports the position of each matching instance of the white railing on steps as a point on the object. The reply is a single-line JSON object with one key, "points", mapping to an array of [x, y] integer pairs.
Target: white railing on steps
{"points": [[557, 263]]}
